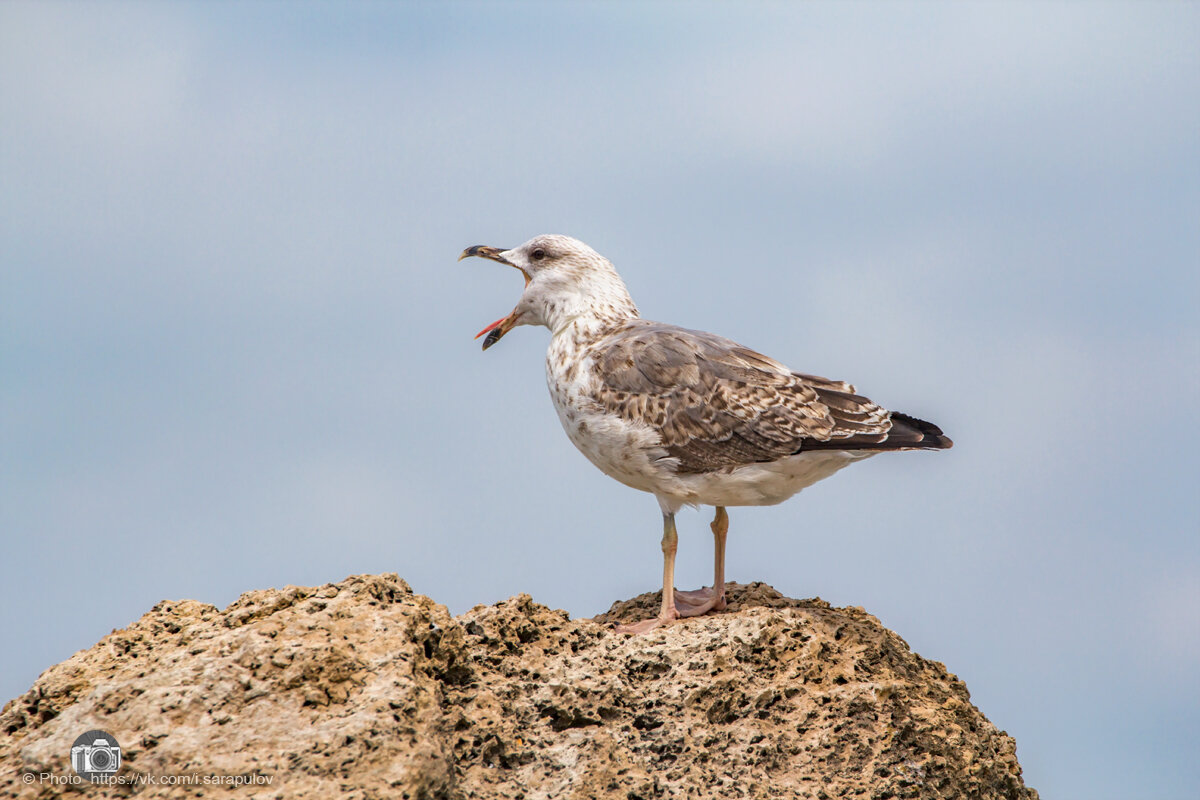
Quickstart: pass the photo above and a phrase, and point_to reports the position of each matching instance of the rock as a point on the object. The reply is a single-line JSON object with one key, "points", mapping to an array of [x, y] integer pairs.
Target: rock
{"points": [[363, 689]]}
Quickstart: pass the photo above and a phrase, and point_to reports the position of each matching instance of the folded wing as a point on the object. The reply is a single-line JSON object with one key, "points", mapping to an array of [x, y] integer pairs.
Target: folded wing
{"points": [[718, 405]]}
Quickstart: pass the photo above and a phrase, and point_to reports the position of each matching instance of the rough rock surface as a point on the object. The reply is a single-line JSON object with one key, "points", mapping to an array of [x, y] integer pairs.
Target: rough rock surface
{"points": [[362, 689]]}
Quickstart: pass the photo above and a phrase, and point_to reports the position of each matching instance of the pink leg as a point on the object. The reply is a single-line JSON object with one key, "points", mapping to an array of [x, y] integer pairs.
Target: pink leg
{"points": [[668, 613], [701, 601]]}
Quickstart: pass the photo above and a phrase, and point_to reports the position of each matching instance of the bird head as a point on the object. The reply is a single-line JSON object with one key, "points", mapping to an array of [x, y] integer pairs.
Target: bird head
{"points": [[565, 280]]}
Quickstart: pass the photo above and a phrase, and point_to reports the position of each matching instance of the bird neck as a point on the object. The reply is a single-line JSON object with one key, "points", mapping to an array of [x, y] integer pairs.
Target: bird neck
{"points": [[588, 307], [594, 319]]}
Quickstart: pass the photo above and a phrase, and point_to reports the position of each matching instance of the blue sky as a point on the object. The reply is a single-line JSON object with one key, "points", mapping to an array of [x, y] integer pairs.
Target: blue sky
{"points": [[235, 345]]}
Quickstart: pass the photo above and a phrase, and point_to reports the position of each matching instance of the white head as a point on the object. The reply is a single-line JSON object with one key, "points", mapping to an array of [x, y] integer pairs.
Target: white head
{"points": [[565, 281]]}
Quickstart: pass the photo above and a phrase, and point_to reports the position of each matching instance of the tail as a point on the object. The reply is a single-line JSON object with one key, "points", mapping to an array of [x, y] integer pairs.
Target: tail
{"points": [[906, 433]]}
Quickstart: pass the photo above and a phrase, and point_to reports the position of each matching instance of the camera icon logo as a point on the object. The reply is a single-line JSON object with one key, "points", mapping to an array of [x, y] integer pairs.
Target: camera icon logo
{"points": [[96, 755]]}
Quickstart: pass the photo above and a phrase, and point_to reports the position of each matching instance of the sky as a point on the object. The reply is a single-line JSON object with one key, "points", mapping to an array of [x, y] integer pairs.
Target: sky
{"points": [[236, 347]]}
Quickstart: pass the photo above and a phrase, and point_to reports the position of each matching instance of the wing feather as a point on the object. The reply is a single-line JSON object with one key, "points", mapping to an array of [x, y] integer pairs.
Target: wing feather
{"points": [[718, 405]]}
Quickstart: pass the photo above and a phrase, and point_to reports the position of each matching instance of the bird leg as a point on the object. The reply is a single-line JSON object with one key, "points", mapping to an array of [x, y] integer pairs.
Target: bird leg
{"points": [[668, 613], [701, 601]]}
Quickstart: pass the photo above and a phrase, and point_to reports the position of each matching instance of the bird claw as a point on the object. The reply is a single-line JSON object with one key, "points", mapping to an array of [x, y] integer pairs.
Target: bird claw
{"points": [[693, 603], [645, 626], [699, 601]]}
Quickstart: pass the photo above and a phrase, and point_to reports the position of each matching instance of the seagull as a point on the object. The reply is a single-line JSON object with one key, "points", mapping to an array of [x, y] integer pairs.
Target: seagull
{"points": [[693, 418]]}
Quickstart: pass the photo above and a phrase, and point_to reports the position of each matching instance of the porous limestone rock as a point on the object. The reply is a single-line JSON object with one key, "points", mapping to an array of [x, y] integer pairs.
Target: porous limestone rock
{"points": [[363, 689]]}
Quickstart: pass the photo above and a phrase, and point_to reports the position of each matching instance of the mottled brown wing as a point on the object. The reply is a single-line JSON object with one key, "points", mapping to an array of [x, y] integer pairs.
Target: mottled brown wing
{"points": [[718, 404]]}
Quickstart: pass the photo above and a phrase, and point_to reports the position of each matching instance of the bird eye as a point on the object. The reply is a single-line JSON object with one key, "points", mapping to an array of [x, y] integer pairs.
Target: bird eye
{"points": [[538, 255]]}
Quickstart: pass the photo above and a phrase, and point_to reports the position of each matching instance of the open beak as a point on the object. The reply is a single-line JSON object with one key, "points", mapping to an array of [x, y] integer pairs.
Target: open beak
{"points": [[497, 329], [501, 326], [483, 251]]}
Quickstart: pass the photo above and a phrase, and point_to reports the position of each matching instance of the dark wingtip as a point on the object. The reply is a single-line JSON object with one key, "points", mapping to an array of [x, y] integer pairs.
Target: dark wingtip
{"points": [[930, 435], [907, 433]]}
